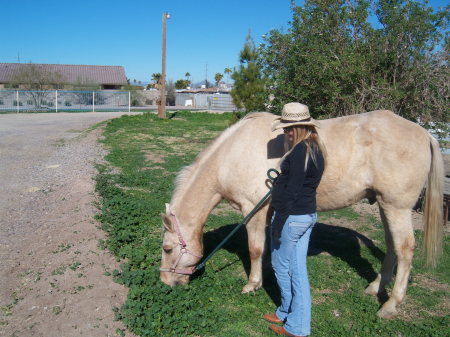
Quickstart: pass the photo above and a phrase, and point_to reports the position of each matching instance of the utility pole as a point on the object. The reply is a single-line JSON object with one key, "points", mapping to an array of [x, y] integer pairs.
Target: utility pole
{"points": [[162, 103]]}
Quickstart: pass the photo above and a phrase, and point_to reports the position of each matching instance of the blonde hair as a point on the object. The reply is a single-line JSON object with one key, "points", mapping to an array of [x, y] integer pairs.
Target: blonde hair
{"points": [[309, 135]]}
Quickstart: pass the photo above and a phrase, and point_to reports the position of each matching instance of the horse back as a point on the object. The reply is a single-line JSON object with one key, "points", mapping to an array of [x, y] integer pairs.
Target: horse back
{"points": [[375, 155]]}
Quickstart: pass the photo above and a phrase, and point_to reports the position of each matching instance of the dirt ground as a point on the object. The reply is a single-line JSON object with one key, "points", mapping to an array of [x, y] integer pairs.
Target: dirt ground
{"points": [[55, 280]]}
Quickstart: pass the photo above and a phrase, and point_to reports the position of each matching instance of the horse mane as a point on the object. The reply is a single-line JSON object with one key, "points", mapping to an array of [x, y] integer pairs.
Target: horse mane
{"points": [[188, 172]]}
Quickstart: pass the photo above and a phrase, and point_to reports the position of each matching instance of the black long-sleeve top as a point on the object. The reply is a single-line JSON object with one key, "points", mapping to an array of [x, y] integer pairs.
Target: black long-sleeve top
{"points": [[294, 192]]}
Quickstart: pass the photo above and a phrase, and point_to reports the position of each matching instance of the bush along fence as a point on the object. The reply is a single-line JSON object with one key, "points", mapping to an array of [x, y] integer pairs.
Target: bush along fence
{"points": [[63, 100]]}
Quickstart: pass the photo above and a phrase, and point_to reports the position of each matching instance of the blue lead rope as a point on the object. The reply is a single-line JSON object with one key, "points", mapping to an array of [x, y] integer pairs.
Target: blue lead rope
{"points": [[245, 220]]}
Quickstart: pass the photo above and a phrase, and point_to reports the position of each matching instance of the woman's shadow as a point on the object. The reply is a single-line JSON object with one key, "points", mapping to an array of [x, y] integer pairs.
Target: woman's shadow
{"points": [[340, 242]]}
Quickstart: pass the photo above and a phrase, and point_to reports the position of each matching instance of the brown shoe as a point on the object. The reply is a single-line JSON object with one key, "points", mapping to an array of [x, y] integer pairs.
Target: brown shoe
{"points": [[272, 318], [279, 330]]}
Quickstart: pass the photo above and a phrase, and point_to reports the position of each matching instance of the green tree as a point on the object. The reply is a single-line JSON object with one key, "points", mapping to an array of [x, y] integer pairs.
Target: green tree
{"points": [[218, 77], [249, 86], [188, 78], [317, 62], [181, 84], [335, 61]]}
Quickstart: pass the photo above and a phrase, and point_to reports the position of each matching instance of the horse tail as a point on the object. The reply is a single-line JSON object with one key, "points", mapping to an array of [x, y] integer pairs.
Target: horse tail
{"points": [[433, 217]]}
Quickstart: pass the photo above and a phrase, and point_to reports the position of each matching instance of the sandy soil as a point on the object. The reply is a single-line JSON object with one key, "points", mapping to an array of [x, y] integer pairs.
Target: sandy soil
{"points": [[54, 277]]}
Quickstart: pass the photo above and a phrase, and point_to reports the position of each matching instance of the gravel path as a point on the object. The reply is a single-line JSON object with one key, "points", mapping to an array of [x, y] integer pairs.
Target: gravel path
{"points": [[53, 276]]}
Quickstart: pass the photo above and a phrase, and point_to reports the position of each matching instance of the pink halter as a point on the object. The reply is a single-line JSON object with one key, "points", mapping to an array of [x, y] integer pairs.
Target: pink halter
{"points": [[183, 250]]}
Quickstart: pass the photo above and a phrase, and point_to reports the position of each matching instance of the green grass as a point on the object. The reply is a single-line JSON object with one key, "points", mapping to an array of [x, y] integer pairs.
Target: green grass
{"points": [[145, 154]]}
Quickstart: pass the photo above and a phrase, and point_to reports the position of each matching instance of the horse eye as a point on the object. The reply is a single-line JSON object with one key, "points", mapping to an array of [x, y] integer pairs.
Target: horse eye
{"points": [[167, 249]]}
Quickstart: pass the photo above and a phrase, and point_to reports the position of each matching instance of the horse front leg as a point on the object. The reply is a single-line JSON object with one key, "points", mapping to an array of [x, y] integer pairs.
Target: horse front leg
{"points": [[256, 239]]}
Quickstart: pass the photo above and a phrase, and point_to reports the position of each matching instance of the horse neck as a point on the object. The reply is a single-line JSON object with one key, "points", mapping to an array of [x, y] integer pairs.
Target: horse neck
{"points": [[196, 198]]}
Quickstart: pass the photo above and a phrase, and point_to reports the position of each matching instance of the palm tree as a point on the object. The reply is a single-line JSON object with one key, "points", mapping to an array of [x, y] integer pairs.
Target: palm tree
{"points": [[188, 75], [156, 78], [218, 77], [228, 71]]}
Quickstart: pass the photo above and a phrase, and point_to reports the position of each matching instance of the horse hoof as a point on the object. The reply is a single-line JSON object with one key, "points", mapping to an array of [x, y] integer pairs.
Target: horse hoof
{"points": [[387, 313], [250, 287], [371, 290]]}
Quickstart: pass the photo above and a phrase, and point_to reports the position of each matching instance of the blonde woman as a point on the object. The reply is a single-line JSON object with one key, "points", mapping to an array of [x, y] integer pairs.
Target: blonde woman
{"points": [[294, 203]]}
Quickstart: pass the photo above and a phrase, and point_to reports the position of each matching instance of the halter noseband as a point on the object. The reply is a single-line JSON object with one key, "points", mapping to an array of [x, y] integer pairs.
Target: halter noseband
{"points": [[183, 250]]}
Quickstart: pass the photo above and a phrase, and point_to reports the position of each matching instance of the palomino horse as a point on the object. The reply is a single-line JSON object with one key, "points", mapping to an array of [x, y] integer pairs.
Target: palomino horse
{"points": [[376, 155]]}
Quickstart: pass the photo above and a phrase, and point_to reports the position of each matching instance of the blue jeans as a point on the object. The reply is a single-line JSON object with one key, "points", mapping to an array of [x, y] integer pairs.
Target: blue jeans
{"points": [[289, 263]]}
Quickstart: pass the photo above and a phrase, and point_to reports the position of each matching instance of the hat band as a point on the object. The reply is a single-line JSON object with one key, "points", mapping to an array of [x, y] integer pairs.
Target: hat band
{"points": [[298, 121]]}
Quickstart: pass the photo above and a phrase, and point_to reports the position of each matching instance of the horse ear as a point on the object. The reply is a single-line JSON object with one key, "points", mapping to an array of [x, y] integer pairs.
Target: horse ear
{"points": [[166, 222]]}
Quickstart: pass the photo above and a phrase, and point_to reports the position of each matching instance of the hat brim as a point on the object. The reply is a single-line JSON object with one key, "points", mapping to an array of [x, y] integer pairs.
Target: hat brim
{"points": [[278, 123]]}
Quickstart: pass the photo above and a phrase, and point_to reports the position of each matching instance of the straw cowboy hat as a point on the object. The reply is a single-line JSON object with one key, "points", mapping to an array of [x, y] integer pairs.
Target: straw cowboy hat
{"points": [[293, 114]]}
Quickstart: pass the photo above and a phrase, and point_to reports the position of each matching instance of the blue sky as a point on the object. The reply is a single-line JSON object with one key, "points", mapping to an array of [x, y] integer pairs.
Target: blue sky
{"points": [[201, 35]]}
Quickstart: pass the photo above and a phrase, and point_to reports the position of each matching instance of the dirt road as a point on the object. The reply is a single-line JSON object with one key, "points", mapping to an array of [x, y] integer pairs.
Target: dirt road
{"points": [[54, 278]]}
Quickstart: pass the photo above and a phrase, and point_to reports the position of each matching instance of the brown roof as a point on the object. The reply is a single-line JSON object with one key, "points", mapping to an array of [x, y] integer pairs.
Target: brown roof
{"points": [[71, 73]]}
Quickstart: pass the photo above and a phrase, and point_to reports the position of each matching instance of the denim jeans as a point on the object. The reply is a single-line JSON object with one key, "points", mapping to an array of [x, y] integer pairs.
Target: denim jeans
{"points": [[289, 263]]}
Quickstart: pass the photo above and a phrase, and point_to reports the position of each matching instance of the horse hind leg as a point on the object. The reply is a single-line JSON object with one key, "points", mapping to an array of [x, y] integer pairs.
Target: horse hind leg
{"points": [[384, 277], [256, 239], [401, 231]]}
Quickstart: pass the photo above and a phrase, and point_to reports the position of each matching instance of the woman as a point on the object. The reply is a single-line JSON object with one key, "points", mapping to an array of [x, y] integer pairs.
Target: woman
{"points": [[294, 203]]}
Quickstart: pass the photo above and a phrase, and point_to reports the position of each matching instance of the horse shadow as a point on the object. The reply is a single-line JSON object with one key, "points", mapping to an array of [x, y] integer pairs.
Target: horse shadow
{"points": [[340, 242]]}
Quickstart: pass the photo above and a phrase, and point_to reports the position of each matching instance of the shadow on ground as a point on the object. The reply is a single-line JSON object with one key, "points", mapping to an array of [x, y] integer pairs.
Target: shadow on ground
{"points": [[340, 242]]}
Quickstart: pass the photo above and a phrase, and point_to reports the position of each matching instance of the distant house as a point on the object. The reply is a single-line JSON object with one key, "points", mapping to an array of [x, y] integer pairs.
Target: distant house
{"points": [[64, 76], [206, 98]]}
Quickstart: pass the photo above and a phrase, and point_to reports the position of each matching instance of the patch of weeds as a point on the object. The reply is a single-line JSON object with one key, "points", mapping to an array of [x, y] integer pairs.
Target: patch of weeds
{"points": [[102, 244], [74, 266], [373, 220], [38, 276], [343, 213], [59, 142], [57, 310], [120, 332], [60, 270], [24, 274], [76, 290], [62, 248], [117, 314], [7, 309]]}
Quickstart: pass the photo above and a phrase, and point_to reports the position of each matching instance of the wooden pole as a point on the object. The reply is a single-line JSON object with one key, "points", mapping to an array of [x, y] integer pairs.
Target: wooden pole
{"points": [[162, 103]]}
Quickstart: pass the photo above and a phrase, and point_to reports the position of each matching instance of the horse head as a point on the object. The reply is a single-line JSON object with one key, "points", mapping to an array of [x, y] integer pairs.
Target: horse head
{"points": [[181, 250]]}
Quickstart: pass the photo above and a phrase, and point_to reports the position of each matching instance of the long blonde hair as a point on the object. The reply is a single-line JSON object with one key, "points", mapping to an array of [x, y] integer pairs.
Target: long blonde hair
{"points": [[308, 134]]}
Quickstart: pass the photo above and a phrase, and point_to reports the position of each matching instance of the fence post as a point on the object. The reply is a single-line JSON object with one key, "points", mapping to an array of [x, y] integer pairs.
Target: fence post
{"points": [[129, 101], [17, 98], [56, 100], [93, 104]]}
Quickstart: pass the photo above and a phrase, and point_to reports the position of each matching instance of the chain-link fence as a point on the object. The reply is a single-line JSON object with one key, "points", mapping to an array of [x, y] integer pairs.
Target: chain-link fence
{"points": [[220, 102], [64, 100]]}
